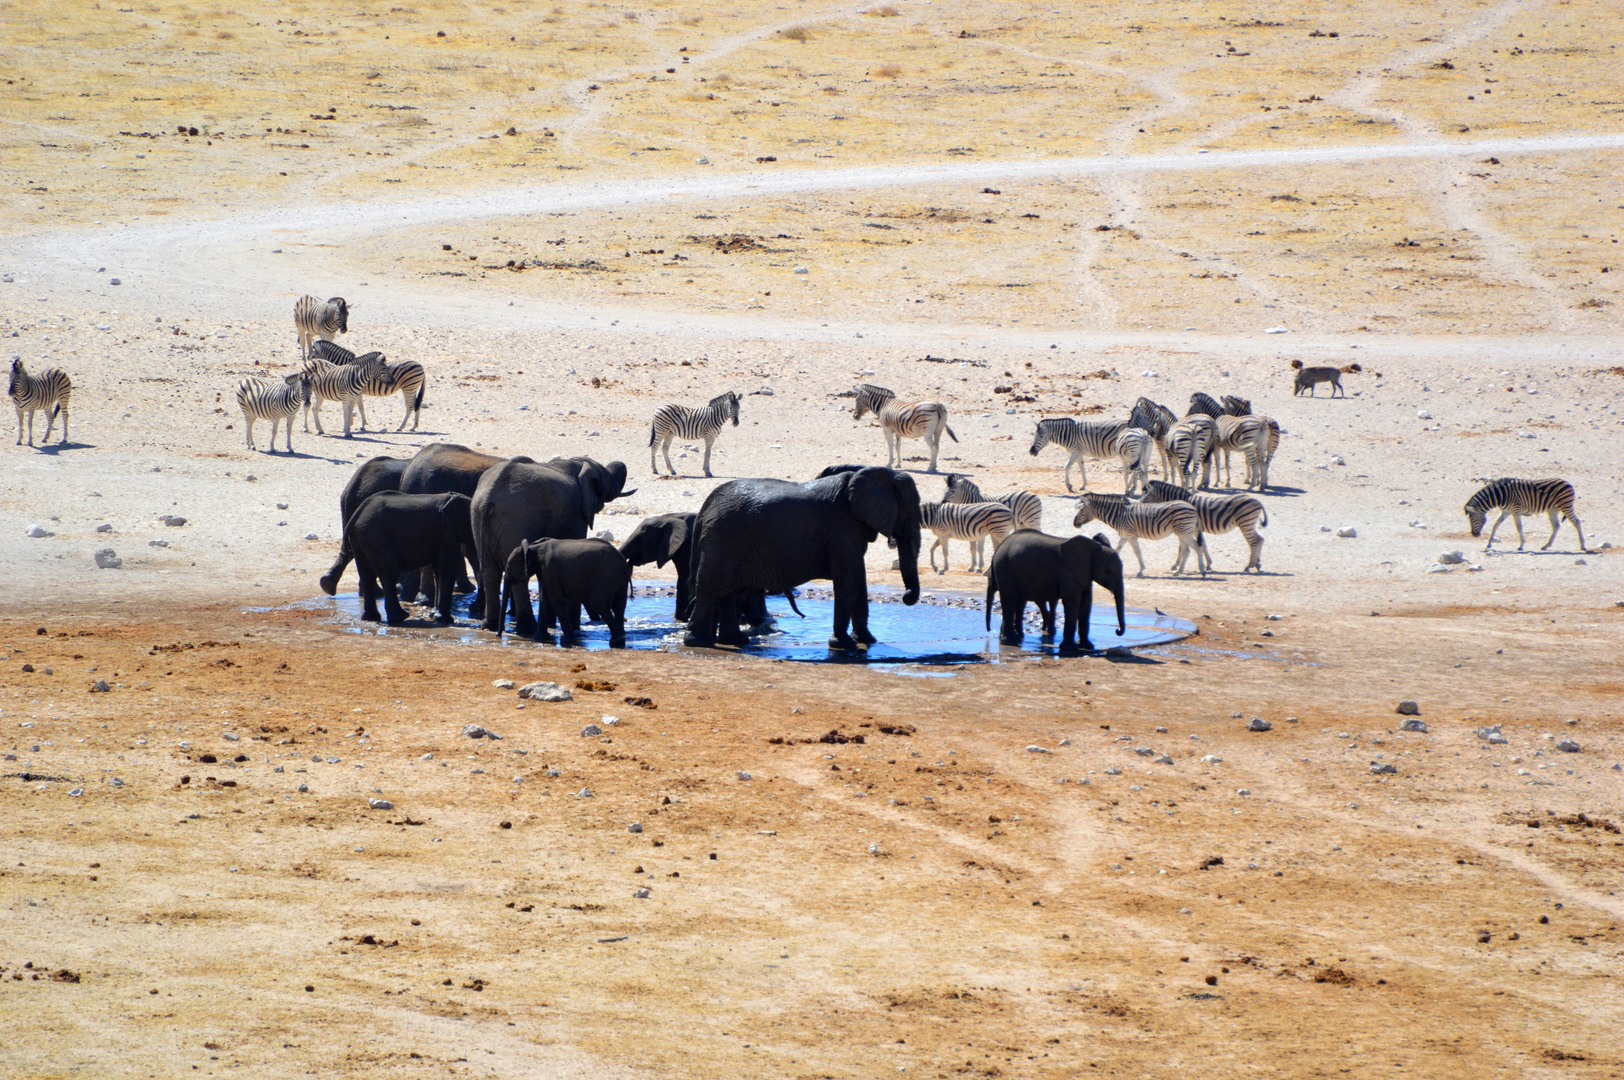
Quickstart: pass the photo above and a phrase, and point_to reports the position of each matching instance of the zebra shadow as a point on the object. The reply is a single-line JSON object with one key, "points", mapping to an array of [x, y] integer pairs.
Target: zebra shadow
{"points": [[56, 448]]}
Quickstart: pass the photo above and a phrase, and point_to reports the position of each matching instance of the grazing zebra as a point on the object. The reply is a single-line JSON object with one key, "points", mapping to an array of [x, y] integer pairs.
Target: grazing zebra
{"points": [[1189, 444], [262, 400], [343, 383], [1309, 377], [1205, 405], [903, 420], [406, 376], [679, 421], [972, 522], [1249, 436], [1102, 440], [1133, 521], [317, 319], [1514, 498], [1218, 514], [1027, 507], [50, 389]]}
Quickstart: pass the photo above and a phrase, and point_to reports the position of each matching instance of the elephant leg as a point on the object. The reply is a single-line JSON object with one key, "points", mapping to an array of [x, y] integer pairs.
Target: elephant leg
{"points": [[1079, 624], [615, 616], [391, 599], [701, 623], [369, 589], [1014, 605], [1048, 609], [727, 621], [445, 577], [569, 621], [518, 593], [545, 613], [685, 593], [840, 637], [856, 587]]}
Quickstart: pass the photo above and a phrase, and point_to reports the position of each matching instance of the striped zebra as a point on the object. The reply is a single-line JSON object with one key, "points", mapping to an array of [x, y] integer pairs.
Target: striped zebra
{"points": [[972, 522], [1134, 521], [343, 383], [1205, 405], [1248, 435], [1103, 440], [50, 389], [1218, 514], [1189, 445], [1027, 507], [679, 421], [407, 377], [1236, 406], [338, 354], [262, 400], [903, 420], [319, 319], [1239, 406], [1155, 419], [1514, 498]]}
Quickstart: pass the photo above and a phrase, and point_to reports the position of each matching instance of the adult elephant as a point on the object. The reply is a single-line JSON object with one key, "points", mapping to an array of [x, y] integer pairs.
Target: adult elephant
{"points": [[369, 478], [519, 500], [1034, 566], [391, 533], [774, 535], [440, 469]]}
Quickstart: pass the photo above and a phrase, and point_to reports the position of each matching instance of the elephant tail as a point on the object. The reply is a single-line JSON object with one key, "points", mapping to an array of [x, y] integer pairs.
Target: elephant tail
{"points": [[992, 587], [949, 431], [789, 594]]}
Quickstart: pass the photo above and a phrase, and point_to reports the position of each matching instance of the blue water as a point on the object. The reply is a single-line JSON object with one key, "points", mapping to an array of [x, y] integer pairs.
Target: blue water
{"points": [[942, 629]]}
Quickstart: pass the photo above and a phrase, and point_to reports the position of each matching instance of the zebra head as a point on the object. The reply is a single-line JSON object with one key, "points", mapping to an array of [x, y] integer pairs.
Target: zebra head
{"points": [[960, 488], [1085, 511], [1477, 508], [1046, 432], [1237, 406], [343, 313], [869, 399], [17, 375], [1205, 405], [728, 405]]}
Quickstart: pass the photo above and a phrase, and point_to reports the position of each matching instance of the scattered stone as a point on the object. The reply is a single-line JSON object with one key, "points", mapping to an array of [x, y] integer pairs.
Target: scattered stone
{"points": [[1568, 746], [104, 527], [545, 691], [584, 793], [1143, 751], [610, 721], [1164, 760], [1423, 415], [1384, 769], [76, 792], [1408, 708], [635, 827], [114, 281], [1347, 532], [1243, 791], [1212, 759], [304, 788], [1452, 558], [281, 506], [746, 776], [1257, 723], [157, 543], [1112, 770], [174, 521], [380, 804], [1492, 735], [1414, 725], [641, 894], [39, 532], [1439, 568], [426, 757], [1038, 750], [107, 559], [590, 730], [503, 684], [100, 687], [311, 536], [474, 731]]}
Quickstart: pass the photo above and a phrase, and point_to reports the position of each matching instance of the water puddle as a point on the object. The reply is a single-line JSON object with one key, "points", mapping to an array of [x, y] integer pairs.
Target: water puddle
{"points": [[934, 638]]}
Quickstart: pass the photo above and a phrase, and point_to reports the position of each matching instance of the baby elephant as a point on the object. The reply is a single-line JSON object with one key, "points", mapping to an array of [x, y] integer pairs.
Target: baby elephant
{"points": [[391, 533], [570, 573]]}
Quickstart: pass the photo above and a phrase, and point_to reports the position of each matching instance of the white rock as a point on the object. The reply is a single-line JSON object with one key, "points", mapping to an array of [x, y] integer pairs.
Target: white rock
{"points": [[76, 792], [1423, 415], [1437, 569], [1065, 742], [39, 532], [380, 804], [158, 543], [610, 721], [1347, 532], [311, 536], [1277, 330], [1164, 760], [604, 534], [1412, 724], [426, 757], [1038, 750], [231, 736], [584, 793], [1336, 459], [1243, 791], [1211, 759], [641, 894], [1112, 770], [545, 691], [502, 684], [591, 730]]}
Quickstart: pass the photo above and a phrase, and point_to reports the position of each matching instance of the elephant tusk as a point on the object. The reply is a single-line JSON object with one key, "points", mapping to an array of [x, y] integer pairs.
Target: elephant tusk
{"points": [[623, 494]]}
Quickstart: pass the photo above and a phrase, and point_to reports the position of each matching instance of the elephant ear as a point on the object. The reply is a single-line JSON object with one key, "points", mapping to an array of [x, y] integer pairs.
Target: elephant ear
{"points": [[676, 535], [1080, 548], [874, 501]]}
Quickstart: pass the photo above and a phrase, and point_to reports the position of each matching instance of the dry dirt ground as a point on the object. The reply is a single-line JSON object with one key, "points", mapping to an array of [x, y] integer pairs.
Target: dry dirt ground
{"points": [[574, 213]]}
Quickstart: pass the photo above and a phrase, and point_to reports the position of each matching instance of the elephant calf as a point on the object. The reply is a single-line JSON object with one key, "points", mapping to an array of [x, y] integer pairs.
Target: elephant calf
{"points": [[391, 533], [660, 539], [570, 574], [1034, 566]]}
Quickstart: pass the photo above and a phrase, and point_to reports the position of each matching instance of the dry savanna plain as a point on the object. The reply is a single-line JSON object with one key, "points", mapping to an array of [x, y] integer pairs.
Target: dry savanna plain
{"points": [[572, 213]]}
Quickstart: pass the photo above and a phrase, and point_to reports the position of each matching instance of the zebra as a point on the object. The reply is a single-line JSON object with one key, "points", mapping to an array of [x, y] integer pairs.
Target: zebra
{"points": [[673, 421], [1308, 378], [972, 522], [903, 420], [1514, 498], [1189, 443], [1134, 520], [1239, 406], [1205, 405], [1218, 514], [1247, 434], [407, 377], [1101, 440], [262, 400], [338, 354], [1236, 406], [1027, 507], [50, 389], [1155, 419], [343, 383], [318, 319]]}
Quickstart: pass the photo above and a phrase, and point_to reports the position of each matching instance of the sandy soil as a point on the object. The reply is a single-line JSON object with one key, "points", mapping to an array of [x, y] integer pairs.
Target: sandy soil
{"points": [[1429, 194]]}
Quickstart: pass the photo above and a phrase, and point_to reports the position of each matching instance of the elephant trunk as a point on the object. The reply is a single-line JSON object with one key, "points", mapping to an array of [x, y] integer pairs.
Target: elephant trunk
{"points": [[1122, 619]]}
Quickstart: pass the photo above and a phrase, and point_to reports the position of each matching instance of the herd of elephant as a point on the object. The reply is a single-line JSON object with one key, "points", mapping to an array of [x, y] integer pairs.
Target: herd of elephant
{"points": [[410, 523]]}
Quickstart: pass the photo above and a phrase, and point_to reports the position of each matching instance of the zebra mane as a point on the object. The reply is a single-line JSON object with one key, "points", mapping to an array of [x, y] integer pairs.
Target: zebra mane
{"points": [[1052, 422], [1163, 487], [723, 399], [1237, 406], [876, 391], [1488, 495], [1106, 496]]}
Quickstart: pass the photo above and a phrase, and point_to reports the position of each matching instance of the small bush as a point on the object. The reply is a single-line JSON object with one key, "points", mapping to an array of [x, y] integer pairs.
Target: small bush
{"points": [[884, 11], [795, 33], [886, 72]]}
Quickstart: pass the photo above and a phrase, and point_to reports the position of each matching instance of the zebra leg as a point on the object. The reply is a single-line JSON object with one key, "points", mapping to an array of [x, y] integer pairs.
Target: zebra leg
{"points": [[1134, 540], [248, 422], [289, 430], [1496, 528], [708, 440], [1184, 554], [1069, 460], [666, 448], [654, 456], [361, 405], [939, 543], [1517, 519], [1554, 514], [1255, 543], [315, 408], [935, 438], [64, 423], [19, 425], [50, 422]]}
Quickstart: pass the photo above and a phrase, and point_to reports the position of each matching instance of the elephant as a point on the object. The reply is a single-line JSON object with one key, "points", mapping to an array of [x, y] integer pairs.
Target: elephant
{"points": [[392, 532], [570, 574], [776, 534], [660, 539], [379, 474], [1044, 569], [448, 467], [519, 500]]}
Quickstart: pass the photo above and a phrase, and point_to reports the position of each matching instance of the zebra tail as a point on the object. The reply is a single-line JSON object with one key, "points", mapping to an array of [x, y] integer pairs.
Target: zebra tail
{"points": [[56, 410], [653, 434], [417, 404], [1265, 515], [992, 586], [950, 434]]}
